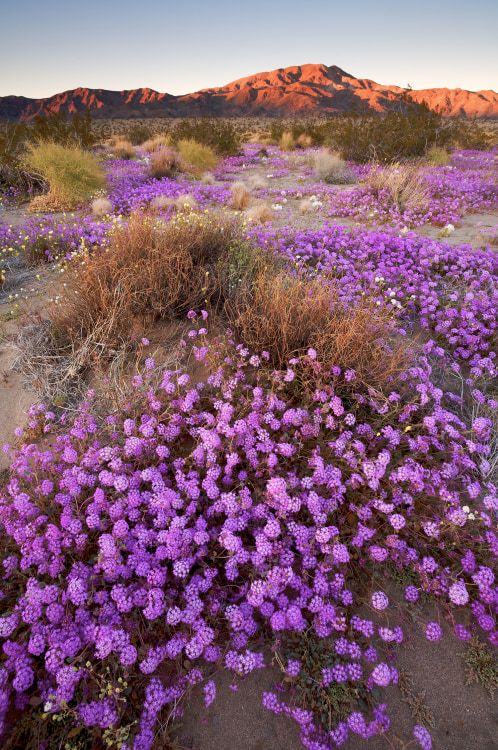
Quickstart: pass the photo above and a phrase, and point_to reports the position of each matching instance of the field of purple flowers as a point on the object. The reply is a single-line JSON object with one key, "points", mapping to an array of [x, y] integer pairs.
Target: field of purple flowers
{"points": [[195, 524]]}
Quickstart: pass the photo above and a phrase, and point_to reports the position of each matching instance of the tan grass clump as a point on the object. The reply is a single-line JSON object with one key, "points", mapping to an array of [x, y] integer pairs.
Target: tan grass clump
{"points": [[185, 203], [259, 212], [331, 168], [164, 163], [196, 158], [287, 141], [241, 197], [156, 143], [286, 315], [305, 206], [149, 271], [123, 149], [101, 206], [161, 202], [402, 184], [208, 178], [72, 173], [304, 141], [257, 182]]}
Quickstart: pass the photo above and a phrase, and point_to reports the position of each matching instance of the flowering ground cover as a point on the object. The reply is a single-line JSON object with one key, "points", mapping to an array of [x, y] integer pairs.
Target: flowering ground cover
{"points": [[223, 510]]}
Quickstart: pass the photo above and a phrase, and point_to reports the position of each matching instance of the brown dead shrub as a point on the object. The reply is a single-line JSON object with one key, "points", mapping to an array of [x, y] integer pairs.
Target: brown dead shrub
{"points": [[164, 163], [123, 149], [286, 315], [149, 271], [241, 197]]}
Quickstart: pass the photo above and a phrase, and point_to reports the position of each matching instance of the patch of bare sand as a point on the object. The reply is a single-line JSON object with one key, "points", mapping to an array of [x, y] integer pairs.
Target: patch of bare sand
{"points": [[469, 232], [463, 717]]}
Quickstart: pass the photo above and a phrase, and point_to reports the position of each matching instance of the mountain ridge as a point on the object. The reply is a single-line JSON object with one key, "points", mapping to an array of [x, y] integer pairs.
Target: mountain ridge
{"points": [[311, 89]]}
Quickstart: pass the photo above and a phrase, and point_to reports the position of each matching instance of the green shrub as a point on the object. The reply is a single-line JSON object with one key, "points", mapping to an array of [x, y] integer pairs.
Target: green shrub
{"points": [[439, 157], [407, 132], [55, 127], [196, 157], [71, 173], [219, 135]]}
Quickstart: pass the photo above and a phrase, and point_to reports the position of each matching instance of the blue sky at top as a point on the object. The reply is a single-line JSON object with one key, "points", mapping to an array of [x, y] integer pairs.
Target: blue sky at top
{"points": [[180, 47]]}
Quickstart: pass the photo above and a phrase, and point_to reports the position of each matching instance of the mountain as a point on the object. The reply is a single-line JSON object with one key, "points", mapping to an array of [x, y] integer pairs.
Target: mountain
{"points": [[301, 90]]}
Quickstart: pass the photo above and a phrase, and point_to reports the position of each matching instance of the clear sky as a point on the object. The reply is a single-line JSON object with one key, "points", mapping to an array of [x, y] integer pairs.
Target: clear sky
{"points": [[49, 46]]}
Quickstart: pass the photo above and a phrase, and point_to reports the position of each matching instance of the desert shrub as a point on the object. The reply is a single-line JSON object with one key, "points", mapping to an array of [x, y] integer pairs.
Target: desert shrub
{"points": [[164, 163], [101, 206], [439, 157], [287, 141], [157, 143], [219, 135], [123, 149], [401, 184], [56, 127], [305, 131], [196, 157], [149, 271], [138, 132], [208, 178], [241, 197], [406, 132], [286, 314], [59, 128], [331, 168], [260, 212], [71, 173], [305, 206]]}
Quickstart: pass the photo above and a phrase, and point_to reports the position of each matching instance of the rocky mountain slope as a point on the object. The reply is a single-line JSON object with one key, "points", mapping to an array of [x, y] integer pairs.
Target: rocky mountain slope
{"points": [[301, 90]]}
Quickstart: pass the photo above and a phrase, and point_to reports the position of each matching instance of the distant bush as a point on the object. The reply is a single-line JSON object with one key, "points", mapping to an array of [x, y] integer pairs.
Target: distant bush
{"points": [[409, 131], [304, 140], [305, 131], [220, 135], [71, 173], [196, 157], [137, 133]]}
